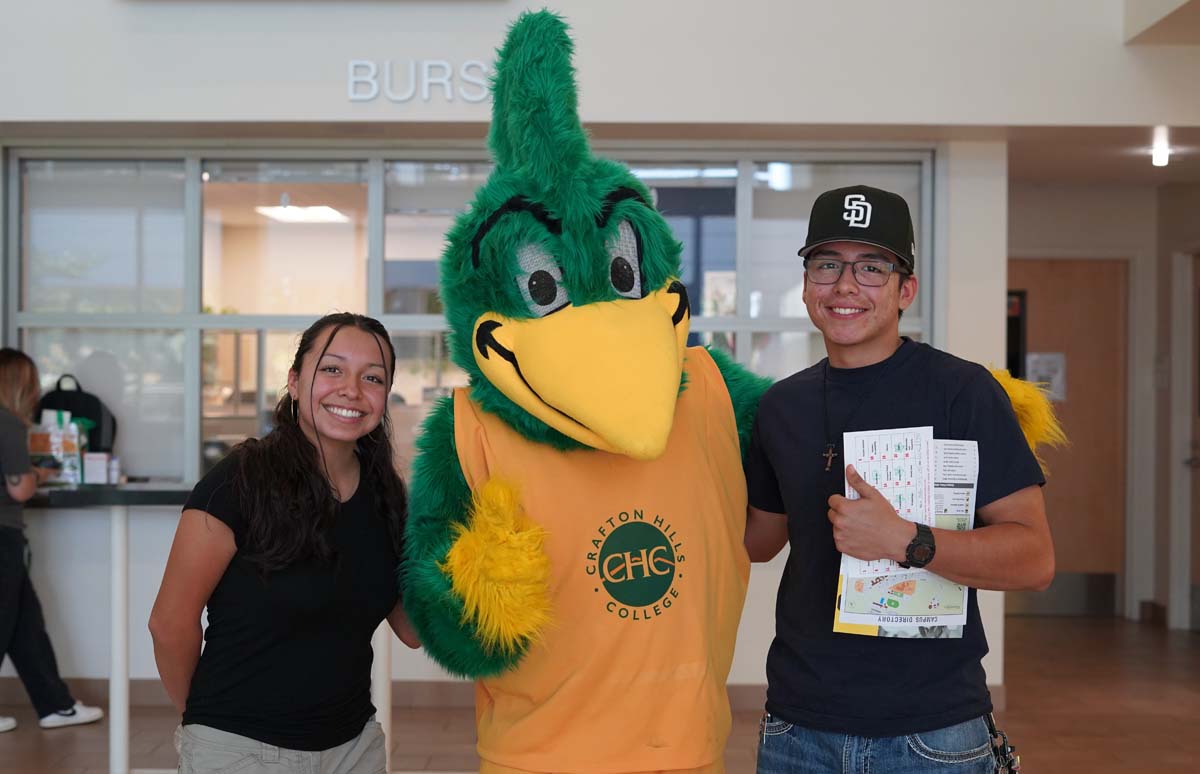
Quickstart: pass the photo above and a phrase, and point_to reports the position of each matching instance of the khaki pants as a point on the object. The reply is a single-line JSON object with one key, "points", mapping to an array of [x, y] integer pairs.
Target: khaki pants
{"points": [[204, 750]]}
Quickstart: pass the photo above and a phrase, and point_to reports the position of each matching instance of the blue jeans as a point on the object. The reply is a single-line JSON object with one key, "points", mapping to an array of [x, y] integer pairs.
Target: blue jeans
{"points": [[787, 749]]}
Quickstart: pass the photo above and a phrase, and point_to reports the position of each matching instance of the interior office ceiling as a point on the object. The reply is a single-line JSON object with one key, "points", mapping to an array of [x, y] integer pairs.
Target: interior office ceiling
{"points": [[1162, 22], [1109, 155]]}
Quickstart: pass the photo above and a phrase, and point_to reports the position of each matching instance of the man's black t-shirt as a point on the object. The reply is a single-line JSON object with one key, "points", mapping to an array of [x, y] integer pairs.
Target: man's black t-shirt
{"points": [[853, 684], [287, 659]]}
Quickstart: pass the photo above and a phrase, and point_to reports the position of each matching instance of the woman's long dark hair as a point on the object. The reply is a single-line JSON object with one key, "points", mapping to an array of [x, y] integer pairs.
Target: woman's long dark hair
{"points": [[281, 479]]}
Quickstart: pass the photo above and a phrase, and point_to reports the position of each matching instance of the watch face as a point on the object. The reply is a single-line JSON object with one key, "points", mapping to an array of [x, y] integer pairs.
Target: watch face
{"points": [[922, 553]]}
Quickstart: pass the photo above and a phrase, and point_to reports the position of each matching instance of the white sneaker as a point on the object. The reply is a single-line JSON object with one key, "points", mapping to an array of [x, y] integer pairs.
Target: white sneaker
{"points": [[75, 716], [7, 724]]}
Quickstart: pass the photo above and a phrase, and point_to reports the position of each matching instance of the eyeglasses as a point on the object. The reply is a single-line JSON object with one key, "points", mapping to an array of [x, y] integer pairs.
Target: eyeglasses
{"points": [[827, 271]]}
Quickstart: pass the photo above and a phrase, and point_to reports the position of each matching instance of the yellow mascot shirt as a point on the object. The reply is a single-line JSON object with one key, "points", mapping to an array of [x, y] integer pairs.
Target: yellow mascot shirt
{"points": [[648, 577]]}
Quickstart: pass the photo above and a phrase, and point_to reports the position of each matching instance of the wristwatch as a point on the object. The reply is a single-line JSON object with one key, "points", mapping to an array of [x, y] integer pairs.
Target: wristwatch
{"points": [[921, 550]]}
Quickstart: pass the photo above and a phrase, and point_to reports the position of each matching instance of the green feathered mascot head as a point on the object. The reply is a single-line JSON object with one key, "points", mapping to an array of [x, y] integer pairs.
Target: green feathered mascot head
{"points": [[560, 283]]}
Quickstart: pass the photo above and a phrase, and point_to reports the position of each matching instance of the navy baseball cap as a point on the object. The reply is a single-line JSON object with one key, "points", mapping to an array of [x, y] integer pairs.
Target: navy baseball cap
{"points": [[861, 213]]}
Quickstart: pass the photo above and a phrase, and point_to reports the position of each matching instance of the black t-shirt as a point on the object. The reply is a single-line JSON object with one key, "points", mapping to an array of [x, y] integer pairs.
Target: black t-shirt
{"points": [[14, 461], [287, 659], [853, 684]]}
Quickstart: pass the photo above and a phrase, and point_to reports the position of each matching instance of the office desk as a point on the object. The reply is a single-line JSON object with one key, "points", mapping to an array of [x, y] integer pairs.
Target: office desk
{"points": [[118, 500]]}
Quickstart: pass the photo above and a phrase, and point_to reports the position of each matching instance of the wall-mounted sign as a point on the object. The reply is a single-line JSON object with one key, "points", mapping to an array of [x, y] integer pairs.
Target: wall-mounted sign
{"points": [[1050, 370], [422, 80]]}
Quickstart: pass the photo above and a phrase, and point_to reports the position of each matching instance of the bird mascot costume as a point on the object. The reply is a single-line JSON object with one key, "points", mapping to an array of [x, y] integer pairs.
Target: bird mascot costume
{"points": [[574, 538]]}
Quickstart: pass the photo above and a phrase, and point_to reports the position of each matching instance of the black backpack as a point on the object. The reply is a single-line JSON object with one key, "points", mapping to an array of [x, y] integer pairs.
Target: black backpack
{"points": [[84, 405]]}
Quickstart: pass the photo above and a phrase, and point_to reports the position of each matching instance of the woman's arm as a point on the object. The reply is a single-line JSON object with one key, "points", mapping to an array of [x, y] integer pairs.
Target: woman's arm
{"points": [[202, 550], [398, 620], [766, 534], [24, 485]]}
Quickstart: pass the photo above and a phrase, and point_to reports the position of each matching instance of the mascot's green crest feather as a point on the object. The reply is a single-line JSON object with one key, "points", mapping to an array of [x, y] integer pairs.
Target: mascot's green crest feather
{"points": [[535, 134]]}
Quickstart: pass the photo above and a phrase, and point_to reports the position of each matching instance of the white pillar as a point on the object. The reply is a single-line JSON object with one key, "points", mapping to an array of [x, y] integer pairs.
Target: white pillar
{"points": [[118, 675], [974, 258]]}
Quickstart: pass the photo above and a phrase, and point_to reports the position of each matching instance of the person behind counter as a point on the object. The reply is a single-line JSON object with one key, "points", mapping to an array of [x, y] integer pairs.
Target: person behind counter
{"points": [[23, 636], [292, 543]]}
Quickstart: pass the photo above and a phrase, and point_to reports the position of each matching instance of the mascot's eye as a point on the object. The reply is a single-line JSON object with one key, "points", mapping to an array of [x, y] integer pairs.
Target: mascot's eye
{"points": [[623, 278], [543, 288], [540, 280], [625, 261]]}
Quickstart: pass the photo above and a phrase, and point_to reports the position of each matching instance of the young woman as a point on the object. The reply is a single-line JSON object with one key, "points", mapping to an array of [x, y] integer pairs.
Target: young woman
{"points": [[292, 543], [23, 635]]}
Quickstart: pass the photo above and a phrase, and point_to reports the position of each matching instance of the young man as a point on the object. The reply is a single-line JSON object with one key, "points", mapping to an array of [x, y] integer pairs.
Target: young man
{"points": [[845, 702]]}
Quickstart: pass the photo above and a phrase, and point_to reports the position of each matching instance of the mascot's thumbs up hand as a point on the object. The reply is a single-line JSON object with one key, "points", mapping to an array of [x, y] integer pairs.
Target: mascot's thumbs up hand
{"points": [[497, 566]]}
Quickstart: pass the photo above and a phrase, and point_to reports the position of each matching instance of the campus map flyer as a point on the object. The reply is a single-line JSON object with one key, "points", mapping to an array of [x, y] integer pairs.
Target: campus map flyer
{"points": [[928, 481]]}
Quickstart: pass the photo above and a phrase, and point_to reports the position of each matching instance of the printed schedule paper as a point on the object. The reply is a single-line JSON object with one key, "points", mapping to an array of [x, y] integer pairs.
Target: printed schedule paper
{"points": [[928, 481]]}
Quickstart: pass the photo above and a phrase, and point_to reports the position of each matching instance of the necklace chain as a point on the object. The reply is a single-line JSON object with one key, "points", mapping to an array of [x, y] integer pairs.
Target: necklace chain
{"points": [[829, 454]]}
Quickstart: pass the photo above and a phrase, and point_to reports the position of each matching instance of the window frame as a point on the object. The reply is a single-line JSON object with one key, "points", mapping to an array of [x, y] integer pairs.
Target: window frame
{"points": [[192, 322]]}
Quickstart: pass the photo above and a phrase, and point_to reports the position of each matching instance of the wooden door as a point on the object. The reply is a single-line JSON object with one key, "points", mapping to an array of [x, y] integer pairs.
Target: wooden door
{"points": [[1080, 308], [1195, 562]]}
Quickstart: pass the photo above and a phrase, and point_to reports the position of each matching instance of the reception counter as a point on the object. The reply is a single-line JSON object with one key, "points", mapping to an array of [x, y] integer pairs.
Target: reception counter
{"points": [[117, 500], [108, 496]]}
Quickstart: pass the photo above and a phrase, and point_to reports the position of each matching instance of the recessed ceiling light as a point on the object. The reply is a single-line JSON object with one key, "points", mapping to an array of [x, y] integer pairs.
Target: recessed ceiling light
{"points": [[318, 214], [683, 173], [1160, 152]]}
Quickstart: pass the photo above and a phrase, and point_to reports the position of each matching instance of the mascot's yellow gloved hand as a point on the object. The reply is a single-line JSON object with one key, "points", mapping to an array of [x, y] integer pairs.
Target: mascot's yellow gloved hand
{"points": [[498, 567]]}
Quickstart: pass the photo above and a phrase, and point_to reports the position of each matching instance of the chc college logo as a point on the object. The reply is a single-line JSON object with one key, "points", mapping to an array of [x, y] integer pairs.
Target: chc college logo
{"points": [[858, 211], [636, 562]]}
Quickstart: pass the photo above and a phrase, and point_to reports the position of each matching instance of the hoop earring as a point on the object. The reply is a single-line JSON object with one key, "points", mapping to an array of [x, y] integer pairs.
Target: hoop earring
{"points": [[295, 411]]}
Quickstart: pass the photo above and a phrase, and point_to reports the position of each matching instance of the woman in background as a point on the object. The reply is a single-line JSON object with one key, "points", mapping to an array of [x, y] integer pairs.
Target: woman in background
{"points": [[23, 635], [292, 543]]}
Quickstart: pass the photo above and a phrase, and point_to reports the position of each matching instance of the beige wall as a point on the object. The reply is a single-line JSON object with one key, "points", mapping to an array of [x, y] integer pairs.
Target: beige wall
{"points": [[1113, 222], [1098, 219], [1147, 20], [1178, 232], [970, 62], [1140, 15], [977, 250], [265, 270], [1146, 225], [975, 256]]}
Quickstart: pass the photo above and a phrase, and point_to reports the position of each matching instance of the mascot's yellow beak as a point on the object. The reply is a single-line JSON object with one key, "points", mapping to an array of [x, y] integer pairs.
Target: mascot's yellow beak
{"points": [[606, 374]]}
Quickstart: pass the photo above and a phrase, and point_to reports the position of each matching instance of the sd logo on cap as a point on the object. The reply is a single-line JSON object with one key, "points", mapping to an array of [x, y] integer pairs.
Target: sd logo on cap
{"points": [[864, 214]]}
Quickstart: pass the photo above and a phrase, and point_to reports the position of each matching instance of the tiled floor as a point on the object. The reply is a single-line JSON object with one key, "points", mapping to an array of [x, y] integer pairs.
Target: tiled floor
{"points": [[1084, 695], [1099, 696]]}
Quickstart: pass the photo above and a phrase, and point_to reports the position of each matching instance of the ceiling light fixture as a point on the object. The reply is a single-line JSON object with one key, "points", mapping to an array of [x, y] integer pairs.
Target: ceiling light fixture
{"points": [[1160, 152], [318, 214], [683, 173]]}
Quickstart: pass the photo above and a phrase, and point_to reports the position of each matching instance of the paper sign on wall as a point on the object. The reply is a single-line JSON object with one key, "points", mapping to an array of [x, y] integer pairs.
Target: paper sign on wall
{"points": [[1050, 370]]}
